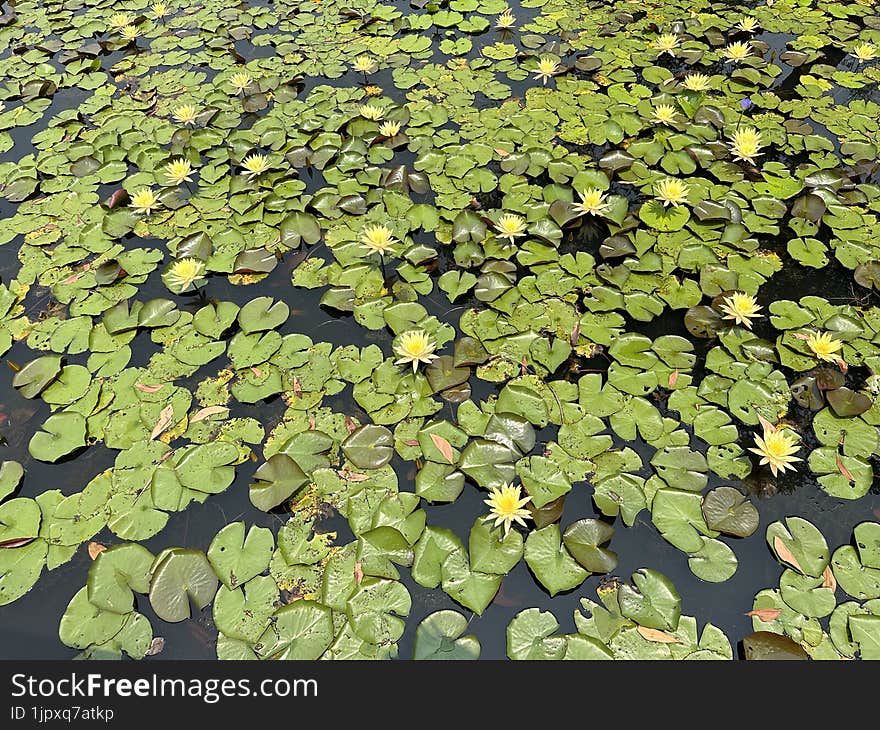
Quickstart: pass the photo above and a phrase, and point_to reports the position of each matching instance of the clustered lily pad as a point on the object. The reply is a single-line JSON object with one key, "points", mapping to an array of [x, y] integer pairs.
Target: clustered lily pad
{"points": [[372, 262]]}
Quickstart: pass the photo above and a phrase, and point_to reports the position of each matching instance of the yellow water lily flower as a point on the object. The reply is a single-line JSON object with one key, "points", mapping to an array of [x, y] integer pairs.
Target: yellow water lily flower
{"points": [[144, 201], [748, 24], [129, 32], [737, 51], [505, 21], [389, 129], [745, 144], [665, 114], [865, 52], [413, 347], [378, 239], [506, 506], [510, 226], [160, 10], [776, 448], [239, 81], [120, 20], [696, 82], [178, 171], [741, 308], [184, 273], [665, 43], [255, 164], [185, 114], [547, 67], [371, 111], [671, 191], [364, 64], [372, 90], [824, 346], [593, 202]]}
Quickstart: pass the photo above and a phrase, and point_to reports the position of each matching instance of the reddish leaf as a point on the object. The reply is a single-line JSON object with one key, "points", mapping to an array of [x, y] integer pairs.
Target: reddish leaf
{"points": [[352, 476], [350, 425], [784, 554], [358, 573], [444, 447], [843, 470], [207, 412], [673, 378], [17, 542], [297, 387], [766, 614], [657, 636], [828, 579], [144, 388], [165, 419], [95, 549]]}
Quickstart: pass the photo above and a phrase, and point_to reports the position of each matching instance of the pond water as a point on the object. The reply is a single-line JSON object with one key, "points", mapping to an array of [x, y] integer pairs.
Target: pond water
{"points": [[520, 113]]}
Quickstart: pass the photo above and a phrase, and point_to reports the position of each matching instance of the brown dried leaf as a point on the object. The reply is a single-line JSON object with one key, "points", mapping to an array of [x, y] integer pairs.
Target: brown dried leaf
{"points": [[766, 614], [358, 573], [673, 378], [95, 549], [784, 554], [165, 419], [297, 387], [501, 153], [411, 442], [828, 579], [156, 646], [657, 636], [207, 412], [766, 425], [350, 425], [843, 470], [444, 447], [144, 388]]}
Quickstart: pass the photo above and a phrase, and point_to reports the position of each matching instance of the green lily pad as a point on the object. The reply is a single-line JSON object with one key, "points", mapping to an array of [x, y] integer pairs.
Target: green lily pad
{"points": [[729, 511], [181, 578], [369, 447], [236, 558], [439, 636], [275, 481], [652, 602], [59, 435], [551, 562], [584, 540], [116, 574]]}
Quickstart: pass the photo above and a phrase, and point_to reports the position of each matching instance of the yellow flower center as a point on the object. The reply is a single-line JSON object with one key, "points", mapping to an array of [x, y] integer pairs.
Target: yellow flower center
{"points": [[741, 308], [593, 202], [671, 191], [178, 171], [506, 506], [510, 226], [776, 448], [371, 112], [255, 164], [185, 114], [144, 200], [865, 52], [378, 239], [824, 346], [665, 43], [696, 82], [183, 273], [746, 144], [389, 129], [664, 114], [738, 51], [414, 347], [239, 81]]}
